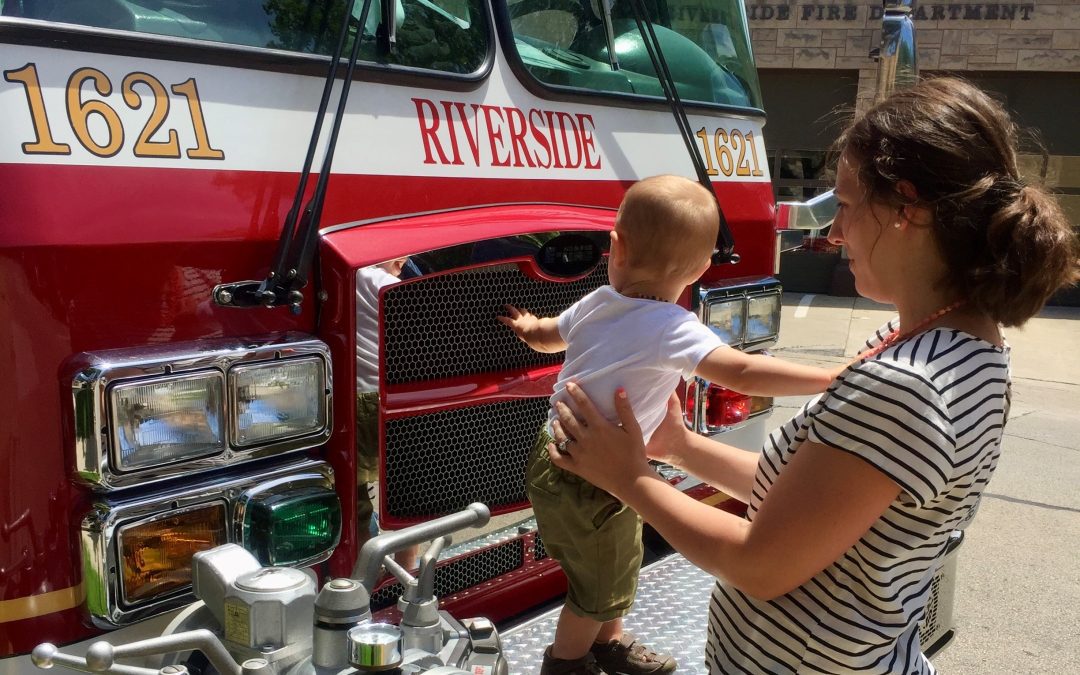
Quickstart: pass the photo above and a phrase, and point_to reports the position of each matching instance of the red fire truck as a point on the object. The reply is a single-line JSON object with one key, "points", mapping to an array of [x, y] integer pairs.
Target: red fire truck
{"points": [[182, 242]]}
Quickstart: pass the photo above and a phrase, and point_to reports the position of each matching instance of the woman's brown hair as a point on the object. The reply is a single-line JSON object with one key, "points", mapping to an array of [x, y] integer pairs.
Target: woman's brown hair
{"points": [[1007, 245]]}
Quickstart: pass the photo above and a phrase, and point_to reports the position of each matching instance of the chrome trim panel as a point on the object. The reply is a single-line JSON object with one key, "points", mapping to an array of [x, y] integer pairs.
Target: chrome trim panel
{"points": [[94, 373], [813, 215], [898, 58], [938, 623], [99, 542]]}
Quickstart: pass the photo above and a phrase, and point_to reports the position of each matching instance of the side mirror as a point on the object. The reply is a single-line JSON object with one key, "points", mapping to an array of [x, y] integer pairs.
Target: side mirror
{"points": [[898, 65], [813, 215]]}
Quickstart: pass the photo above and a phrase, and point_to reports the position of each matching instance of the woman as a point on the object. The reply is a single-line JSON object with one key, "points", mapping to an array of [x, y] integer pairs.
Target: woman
{"points": [[851, 502]]}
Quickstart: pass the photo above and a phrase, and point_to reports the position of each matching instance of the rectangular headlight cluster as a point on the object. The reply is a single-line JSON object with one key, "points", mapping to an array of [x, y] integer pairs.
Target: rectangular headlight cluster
{"points": [[745, 315], [144, 415], [137, 552]]}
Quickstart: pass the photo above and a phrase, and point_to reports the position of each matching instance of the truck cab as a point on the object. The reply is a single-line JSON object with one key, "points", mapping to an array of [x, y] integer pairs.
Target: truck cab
{"points": [[154, 152]]}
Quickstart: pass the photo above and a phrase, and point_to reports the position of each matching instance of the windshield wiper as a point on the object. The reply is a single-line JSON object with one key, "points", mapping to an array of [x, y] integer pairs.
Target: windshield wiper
{"points": [[609, 32], [388, 38], [296, 246], [725, 242]]}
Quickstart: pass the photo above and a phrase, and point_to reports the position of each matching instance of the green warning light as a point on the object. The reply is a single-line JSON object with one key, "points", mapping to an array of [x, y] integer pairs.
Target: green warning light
{"points": [[292, 527]]}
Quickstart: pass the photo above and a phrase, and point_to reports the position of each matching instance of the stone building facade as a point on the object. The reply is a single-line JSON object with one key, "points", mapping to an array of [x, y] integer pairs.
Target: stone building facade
{"points": [[815, 59]]}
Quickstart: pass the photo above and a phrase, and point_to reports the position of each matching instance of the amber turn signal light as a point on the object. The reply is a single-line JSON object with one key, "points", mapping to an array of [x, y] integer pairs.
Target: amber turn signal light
{"points": [[155, 554]]}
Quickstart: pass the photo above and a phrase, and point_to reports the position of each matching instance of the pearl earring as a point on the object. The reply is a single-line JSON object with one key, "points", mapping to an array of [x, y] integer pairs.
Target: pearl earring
{"points": [[896, 225]]}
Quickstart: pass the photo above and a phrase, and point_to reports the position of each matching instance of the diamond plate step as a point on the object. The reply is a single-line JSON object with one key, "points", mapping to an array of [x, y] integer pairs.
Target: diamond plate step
{"points": [[669, 615]]}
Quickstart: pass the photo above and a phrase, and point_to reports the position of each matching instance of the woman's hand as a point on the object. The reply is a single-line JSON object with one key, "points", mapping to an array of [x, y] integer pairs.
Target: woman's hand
{"points": [[609, 456]]}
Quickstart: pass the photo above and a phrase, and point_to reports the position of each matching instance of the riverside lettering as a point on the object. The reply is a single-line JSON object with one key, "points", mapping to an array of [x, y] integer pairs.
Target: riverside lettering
{"points": [[455, 133]]}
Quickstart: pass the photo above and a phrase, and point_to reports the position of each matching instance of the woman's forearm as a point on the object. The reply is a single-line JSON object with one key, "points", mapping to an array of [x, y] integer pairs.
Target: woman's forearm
{"points": [[724, 467], [711, 539]]}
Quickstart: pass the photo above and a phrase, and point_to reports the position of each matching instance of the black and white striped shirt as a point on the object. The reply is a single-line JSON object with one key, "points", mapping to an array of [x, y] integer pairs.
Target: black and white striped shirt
{"points": [[929, 412]]}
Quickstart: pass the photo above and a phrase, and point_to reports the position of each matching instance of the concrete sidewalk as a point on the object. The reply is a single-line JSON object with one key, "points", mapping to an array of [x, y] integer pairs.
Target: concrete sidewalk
{"points": [[1018, 594]]}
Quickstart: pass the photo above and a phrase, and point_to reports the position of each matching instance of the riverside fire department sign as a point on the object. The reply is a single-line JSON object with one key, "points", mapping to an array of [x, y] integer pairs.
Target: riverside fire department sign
{"points": [[921, 12]]}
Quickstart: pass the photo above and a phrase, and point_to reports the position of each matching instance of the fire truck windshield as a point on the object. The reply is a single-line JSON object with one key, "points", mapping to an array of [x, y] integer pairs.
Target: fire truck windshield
{"points": [[566, 43], [445, 35]]}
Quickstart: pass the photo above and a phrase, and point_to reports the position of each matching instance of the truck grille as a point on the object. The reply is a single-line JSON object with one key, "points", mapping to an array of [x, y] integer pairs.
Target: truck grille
{"points": [[539, 551], [443, 461], [929, 627], [462, 573], [444, 326], [936, 626]]}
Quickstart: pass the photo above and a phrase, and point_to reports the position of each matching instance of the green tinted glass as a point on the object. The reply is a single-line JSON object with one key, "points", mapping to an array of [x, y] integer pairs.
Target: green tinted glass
{"points": [[285, 529], [705, 43], [444, 35]]}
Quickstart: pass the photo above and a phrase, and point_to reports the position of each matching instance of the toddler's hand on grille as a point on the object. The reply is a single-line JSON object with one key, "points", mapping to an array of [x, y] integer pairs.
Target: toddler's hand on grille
{"points": [[523, 322]]}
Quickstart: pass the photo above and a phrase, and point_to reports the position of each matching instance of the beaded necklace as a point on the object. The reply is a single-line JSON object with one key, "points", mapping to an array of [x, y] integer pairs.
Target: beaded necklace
{"points": [[639, 296], [895, 336]]}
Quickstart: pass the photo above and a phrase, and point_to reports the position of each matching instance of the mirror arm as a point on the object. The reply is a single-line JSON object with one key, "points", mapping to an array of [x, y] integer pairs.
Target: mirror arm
{"points": [[296, 245]]}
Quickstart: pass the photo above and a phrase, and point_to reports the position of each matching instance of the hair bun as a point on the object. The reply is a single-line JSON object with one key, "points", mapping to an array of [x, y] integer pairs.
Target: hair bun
{"points": [[1014, 188], [1006, 246]]}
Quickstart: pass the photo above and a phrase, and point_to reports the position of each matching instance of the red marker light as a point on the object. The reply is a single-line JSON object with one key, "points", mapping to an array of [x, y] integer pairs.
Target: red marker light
{"points": [[724, 408]]}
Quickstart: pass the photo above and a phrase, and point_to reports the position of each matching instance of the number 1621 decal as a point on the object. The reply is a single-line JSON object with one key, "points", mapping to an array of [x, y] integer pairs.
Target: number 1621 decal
{"points": [[148, 143]]}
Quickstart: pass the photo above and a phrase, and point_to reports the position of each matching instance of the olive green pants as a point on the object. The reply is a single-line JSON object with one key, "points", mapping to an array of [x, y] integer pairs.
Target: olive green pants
{"points": [[595, 538]]}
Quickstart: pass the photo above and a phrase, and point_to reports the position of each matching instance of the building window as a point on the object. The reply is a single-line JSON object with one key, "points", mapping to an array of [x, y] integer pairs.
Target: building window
{"points": [[799, 175]]}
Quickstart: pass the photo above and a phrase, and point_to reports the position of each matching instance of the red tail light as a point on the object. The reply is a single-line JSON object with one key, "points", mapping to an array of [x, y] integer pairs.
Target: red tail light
{"points": [[720, 407], [690, 401], [724, 408]]}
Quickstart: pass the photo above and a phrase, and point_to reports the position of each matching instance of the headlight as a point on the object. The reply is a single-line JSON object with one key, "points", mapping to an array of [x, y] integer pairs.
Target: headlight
{"points": [[166, 420], [278, 400], [762, 317], [150, 413], [744, 315], [725, 317]]}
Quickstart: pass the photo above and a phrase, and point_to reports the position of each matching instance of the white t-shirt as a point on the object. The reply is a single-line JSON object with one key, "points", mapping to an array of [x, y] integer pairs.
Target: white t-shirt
{"points": [[368, 282], [928, 413], [644, 346]]}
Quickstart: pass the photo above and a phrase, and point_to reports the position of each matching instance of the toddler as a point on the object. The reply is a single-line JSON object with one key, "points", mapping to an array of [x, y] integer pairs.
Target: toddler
{"points": [[630, 334]]}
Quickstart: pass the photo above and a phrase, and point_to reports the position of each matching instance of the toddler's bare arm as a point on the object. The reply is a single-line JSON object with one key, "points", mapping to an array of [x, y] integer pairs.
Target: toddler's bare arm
{"points": [[542, 334], [761, 375]]}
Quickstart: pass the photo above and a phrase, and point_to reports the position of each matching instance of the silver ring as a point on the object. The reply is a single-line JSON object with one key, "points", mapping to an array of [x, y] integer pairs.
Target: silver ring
{"points": [[561, 445]]}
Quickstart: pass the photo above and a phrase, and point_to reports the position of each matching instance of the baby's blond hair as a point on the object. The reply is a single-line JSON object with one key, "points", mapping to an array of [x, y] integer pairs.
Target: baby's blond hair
{"points": [[668, 224]]}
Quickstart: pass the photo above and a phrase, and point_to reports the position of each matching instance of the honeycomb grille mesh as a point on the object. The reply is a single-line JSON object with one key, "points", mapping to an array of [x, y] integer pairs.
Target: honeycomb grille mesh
{"points": [[928, 627], [444, 326], [443, 461], [463, 573], [539, 552]]}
